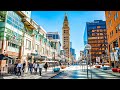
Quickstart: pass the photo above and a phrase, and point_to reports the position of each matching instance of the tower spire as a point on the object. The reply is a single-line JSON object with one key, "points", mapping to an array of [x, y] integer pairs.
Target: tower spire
{"points": [[65, 14], [65, 19]]}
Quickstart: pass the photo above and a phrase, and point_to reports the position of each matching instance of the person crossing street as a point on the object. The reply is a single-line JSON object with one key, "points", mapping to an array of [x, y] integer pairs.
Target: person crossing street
{"points": [[40, 67]]}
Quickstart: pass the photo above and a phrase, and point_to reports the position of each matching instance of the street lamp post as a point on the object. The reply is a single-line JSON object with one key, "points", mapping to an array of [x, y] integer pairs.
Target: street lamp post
{"points": [[87, 63], [88, 48], [54, 58]]}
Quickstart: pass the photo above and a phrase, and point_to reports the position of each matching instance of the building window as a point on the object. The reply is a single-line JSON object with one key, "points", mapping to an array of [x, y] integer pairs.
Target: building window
{"points": [[112, 33], [14, 20], [110, 22], [13, 45], [98, 26], [118, 27], [53, 36], [116, 15], [28, 44], [37, 47], [57, 37], [106, 17], [109, 13]]}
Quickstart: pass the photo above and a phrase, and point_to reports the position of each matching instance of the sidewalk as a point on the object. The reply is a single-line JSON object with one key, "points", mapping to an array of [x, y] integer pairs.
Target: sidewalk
{"points": [[45, 75], [109, 71]]}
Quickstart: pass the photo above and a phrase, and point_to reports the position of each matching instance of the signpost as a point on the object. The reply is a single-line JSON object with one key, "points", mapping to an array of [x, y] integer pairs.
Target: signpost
{"points": [[88, 48]]}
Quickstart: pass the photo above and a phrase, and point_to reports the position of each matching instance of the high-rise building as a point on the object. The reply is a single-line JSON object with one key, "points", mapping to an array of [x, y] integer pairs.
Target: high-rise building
{"points": [[95, 34], [66, 36], [113, 33], [72, 52], [55, 38], [53, 35], [70, 44]]}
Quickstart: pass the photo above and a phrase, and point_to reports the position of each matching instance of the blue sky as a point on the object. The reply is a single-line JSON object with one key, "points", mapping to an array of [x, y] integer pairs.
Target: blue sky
{"points": [[53, 21]]}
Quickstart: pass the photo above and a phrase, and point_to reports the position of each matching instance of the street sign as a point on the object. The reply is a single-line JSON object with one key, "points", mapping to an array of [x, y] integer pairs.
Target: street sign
{"points": [[87, 46]]}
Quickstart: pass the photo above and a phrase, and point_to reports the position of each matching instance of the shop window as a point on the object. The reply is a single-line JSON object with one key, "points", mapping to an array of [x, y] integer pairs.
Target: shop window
{"points": [[109, 13], [28, 44], [117, 29]]}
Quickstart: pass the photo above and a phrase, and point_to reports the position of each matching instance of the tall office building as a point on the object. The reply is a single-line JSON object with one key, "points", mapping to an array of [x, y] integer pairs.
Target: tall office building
{"points": [[95, 34], [66, 36], [113, 34]]}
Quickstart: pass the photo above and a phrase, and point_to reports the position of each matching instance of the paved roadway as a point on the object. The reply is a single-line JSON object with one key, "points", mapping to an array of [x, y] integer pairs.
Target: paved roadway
{"points": [[76, 72]]}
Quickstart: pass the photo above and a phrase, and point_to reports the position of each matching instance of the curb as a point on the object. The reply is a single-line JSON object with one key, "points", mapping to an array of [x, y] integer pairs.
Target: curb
{"points": [[56, 74]]}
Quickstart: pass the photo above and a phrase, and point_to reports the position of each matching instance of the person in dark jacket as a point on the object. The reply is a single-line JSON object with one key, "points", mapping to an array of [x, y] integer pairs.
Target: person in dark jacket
{"points": [[23, 68], [15, 68], [46, 66], [31, 67]]}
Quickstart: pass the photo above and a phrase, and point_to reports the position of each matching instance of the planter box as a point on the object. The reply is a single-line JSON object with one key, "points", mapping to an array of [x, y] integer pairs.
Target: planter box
{"points": [[56, 69], [105, 68], [97, 66], [118, 70], [63, 67], [114, 69]]}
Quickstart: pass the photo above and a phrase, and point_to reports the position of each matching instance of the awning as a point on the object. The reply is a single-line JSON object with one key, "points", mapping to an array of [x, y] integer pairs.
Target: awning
{"points": [[3, 57]]}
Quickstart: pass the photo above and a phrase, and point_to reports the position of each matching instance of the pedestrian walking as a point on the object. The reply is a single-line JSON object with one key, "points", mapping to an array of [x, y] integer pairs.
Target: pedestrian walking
{"points": [[40, 67], [9, 66], [23, 68], [28, 66], [15, 68], [103, 64], [31, 67], [35, 65], [46, 66], [19, 67], [68, 64]]}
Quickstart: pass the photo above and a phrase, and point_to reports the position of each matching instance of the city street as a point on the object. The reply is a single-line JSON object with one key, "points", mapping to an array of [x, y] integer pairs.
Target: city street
{"points": [[76, 72], [71, 72]]}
